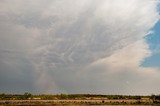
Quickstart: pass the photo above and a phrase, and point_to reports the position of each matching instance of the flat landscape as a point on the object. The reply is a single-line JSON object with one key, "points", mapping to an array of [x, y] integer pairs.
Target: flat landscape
{"points": [[79, 52], [75, 102], [77, 99]]}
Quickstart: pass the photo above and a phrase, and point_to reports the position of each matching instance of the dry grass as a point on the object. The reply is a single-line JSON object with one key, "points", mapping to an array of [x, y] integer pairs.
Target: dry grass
{"points": [[75, 102]]}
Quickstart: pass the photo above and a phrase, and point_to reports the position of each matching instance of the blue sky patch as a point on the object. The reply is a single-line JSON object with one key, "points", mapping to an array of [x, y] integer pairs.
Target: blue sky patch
{"points": [[154, 44]]}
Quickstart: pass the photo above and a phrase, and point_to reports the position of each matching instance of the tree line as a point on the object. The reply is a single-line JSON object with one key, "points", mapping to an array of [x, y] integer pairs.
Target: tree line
{"points": [[29, 96]]}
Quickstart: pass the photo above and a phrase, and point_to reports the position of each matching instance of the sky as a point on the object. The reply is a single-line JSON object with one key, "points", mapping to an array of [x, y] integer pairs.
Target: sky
{"points": [[153, 41], [80, 46]]}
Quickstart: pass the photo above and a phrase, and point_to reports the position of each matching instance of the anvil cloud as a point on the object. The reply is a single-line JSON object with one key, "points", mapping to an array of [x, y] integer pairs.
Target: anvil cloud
{"points": [[77, 46]]}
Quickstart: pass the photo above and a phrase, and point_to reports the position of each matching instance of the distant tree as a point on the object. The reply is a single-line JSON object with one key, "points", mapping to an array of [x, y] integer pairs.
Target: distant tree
{"points": [[153, 97], [157, 97], [27, 95], [137, 97], [63, 96], [2, 96]]}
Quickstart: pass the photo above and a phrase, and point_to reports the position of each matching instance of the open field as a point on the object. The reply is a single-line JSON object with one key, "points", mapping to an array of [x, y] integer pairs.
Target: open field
{"points": [[76, 102], [77, 99]]}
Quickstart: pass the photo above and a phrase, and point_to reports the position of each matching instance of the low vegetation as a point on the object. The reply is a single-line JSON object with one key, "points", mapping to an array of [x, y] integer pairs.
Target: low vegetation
{"points": [[29, 96], [78, 99]]}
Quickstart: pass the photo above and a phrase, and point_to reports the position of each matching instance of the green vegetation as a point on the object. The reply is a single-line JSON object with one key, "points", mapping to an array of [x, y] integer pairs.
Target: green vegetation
{"points": [[25, 96], [79, 99], [28, 96]]}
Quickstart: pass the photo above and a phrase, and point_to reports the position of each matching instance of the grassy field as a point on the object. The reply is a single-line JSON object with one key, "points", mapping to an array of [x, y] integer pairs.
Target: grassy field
{"points": [[75, 102], [77, 99]]}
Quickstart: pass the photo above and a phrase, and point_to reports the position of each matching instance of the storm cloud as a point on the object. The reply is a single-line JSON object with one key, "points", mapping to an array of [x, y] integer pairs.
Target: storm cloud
{"points": [[77, 46]]}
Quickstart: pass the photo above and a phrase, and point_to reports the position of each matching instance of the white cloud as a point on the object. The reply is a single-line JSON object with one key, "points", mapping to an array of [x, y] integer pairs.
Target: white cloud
{"points": [[124, 72], [70, 44]]}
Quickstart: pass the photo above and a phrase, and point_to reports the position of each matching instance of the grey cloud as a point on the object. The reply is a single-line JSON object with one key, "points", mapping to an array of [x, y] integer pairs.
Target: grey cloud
{"points": [[53, 42]]}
